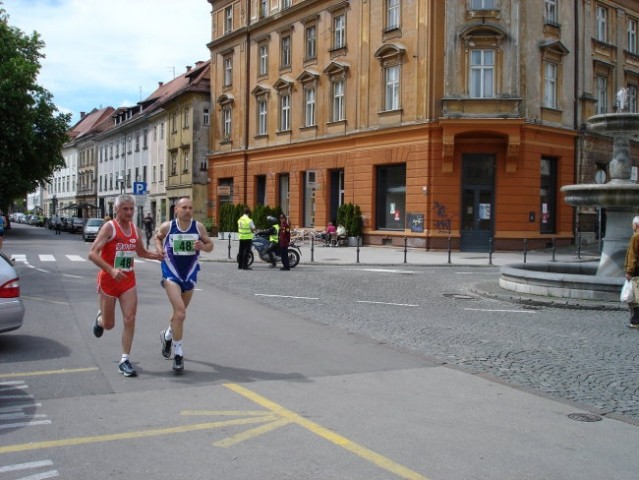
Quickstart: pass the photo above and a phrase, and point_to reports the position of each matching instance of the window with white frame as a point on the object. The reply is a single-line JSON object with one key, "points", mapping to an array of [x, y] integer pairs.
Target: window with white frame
{"points": [[228, 71], [161, 172], [339, 31], [228, 19], [285, 51], [392, 91], [309, 106], [632, 36], [550, 12], [482, 73], [482, 4], [393, 10], [285, 111], [173, 163], [263, 12], [338, 93], [185, 118], [263, 58], [602, 23], [311, 42], [185, 161], [601, 85], [154, 174], [550, 85], [287, 4], [262, 114], [227, 122]]}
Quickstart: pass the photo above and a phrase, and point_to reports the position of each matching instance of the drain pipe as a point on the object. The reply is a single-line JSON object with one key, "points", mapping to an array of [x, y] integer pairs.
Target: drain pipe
{"points": [[247, 93]]}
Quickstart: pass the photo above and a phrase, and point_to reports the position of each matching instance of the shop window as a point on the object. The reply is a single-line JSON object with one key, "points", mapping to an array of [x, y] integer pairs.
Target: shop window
{"points": [[548, 195], [391, 197]]}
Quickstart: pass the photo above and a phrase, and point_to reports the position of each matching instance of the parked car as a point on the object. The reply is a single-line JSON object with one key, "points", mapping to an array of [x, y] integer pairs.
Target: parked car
{"points": [[77, 225], [91, 229], [11, 305]]}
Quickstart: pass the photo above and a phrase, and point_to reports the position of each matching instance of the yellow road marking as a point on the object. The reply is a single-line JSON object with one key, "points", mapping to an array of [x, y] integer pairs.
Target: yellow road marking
{"points": [[47, 372], [252, 433], [67, 442], [327, 434]]}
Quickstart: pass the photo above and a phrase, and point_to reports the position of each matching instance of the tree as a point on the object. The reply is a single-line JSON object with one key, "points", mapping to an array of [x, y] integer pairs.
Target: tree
{"points": [[32, 130]]}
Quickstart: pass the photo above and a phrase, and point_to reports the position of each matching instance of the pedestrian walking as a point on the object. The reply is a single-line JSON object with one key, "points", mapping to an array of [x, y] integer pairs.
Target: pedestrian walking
{"points": [[113, 251], [149, 227], [246, 230], [180, 240], [57, 224], [632, 270], [284, 240]]}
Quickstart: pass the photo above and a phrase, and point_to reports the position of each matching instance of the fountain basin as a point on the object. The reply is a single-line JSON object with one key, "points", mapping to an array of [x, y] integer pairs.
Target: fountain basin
{"points": [[619, 193], [561, 280], [619, 123]]}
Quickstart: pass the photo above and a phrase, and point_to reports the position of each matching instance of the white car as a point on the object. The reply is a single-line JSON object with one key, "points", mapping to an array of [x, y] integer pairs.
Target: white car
{"points": [[91, 229], [11, 306]]}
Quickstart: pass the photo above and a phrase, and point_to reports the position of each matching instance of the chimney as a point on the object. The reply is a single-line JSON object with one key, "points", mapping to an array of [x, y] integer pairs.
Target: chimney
{"points": [[188, 68], [83, 114], [160, 84]]}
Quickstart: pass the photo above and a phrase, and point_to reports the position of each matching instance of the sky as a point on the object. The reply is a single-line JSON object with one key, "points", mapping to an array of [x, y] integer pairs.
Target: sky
{"points": [[102, 53]]}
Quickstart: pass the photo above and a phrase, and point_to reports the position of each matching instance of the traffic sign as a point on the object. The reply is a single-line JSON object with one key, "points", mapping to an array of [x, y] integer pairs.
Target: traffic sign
{"points": [[139, 188]]}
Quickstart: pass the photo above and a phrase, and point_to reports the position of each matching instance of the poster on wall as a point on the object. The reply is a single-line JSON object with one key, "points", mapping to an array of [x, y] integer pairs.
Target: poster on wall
{"points": [[484, 211], [416, 222]]}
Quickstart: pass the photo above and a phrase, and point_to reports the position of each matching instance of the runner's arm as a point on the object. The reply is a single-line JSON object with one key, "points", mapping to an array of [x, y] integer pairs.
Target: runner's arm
{"points": [[204, 243]]}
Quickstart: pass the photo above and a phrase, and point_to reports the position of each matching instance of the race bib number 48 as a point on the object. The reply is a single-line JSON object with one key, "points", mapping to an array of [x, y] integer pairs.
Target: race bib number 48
{"points": [[184, 243], [124, 260]]}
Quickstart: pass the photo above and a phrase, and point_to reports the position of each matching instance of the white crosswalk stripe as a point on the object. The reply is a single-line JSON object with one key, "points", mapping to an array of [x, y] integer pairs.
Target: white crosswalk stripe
{"points": [[76, 258], [47, 258]]}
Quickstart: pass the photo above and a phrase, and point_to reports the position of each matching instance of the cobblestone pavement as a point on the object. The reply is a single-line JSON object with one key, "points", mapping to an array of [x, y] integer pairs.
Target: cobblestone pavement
{"points": [[585, 356]]}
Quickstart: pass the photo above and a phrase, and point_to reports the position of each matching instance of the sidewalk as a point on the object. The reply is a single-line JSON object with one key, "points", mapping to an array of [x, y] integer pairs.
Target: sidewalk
{"points": [[386, 255]]}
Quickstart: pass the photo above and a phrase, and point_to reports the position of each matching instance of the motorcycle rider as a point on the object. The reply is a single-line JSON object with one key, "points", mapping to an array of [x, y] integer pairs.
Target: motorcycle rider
{"points": [[273, 236]]}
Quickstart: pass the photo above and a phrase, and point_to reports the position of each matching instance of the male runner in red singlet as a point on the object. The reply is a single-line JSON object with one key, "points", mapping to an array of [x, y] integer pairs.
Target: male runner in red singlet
{"points": [[113, 250]]}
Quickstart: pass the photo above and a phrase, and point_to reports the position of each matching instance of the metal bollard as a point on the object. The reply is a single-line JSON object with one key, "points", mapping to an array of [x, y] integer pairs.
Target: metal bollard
{"points": [[553, 249], [525, 248], [358, 249], [312, 248], [490, 251], [449, 248], [579, 245], [229, 246], [405, 247]]}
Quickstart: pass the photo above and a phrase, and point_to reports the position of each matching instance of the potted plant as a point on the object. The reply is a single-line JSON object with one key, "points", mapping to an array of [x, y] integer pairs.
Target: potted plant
{"points": [[211, 226], [350, 215]]}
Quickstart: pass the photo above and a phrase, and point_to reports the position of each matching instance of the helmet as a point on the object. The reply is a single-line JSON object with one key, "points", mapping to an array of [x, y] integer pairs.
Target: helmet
{"points": [[271, 220]]}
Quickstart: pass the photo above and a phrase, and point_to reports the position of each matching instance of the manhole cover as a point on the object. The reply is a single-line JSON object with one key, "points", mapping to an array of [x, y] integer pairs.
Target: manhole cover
{"points": [[585, 417]]}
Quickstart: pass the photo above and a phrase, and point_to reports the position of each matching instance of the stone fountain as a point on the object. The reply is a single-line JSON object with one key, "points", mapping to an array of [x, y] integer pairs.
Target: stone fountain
{"points": [[619, 196]]}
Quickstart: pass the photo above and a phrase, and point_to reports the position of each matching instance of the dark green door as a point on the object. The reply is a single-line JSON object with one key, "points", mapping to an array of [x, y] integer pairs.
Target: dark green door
{"points": [[477, 202]]}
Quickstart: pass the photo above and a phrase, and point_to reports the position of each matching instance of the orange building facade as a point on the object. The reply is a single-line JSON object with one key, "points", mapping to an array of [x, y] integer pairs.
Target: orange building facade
{"points": [[447, 122]]}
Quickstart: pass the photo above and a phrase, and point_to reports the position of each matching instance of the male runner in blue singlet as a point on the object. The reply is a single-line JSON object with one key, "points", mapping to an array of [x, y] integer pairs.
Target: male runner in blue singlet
{"points": [[181, 239]]}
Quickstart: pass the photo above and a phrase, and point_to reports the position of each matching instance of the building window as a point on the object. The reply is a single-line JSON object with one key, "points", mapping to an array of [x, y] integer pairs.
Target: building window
{"points": [[263, 8], [550, 12], [228, 19], [632, 98], [154, 174], [227, 122], [263, 55], [311, 42], [550, 85], [173, 163], [602, 24], [206, 117], [228, 71], [548, 195], [632, 36], [482, 73], [285, 53], [285, 112], [482, 4], [309, 107], [337, 90], [145, 139], [161, 172], [185, 117], [262, 112], [260, 189], [393, 9], [287, 4], [601, 84], [392, 93], [391, 197], [339, 31], [174, 123], [185, 161]]}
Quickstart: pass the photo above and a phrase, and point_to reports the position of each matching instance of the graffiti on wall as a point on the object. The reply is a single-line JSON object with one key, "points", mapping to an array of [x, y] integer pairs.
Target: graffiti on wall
{"points": [[443, 221]]}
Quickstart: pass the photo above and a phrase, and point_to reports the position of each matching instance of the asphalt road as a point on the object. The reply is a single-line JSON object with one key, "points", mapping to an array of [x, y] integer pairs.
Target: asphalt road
{"points": [[324, 372]]}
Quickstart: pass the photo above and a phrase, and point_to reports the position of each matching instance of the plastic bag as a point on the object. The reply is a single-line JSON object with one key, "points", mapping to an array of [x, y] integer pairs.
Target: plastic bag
{"points": [[627, 292]]}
